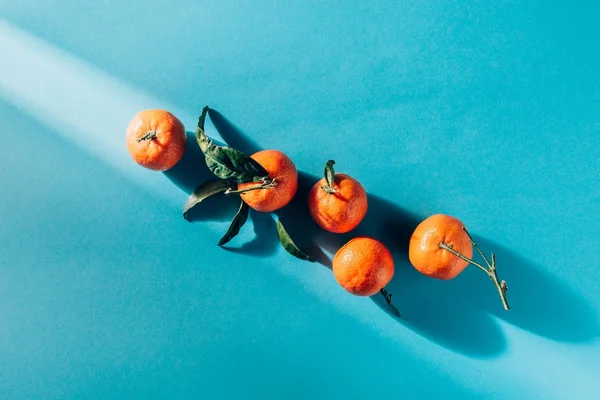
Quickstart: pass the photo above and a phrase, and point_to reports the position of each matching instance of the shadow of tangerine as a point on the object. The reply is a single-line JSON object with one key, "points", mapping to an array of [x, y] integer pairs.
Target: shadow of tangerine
{"points": [[456, 314]]}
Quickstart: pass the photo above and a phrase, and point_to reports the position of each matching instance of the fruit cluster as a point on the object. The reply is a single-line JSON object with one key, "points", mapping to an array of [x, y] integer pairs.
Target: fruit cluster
{"points": [[440, 247]]}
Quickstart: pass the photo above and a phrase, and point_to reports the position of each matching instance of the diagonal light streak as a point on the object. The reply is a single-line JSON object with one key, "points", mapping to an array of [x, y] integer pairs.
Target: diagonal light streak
{"points": [[86, 106]]}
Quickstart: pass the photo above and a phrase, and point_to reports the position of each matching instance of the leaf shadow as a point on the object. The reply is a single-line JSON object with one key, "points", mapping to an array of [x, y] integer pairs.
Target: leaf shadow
{"points": [[231, 134], [264, 227], [459, 314]]}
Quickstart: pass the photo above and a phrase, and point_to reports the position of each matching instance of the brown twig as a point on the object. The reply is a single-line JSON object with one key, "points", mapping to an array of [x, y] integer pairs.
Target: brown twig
{"points": [[490, 270]]}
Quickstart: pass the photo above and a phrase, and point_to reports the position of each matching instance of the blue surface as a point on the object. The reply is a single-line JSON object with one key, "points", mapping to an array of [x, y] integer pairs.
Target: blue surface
{"points": [[486, 111]]}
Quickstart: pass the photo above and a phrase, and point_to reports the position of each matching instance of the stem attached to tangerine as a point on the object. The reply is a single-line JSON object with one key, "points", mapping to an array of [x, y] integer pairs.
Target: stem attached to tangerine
{"points": [[328, 189], [266, 184], [150, 135], [490, 270], [388, 298], [329, 173]]}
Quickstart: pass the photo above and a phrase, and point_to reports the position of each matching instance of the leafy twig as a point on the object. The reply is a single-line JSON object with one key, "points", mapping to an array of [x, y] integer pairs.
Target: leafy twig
{"points": [[490, 270]]}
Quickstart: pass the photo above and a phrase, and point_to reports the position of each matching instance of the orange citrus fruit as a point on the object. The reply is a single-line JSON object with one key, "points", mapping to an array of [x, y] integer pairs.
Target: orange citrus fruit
{"points": [[156, 139], [428, 257], [363, 266], [340, 208], [282, 172]]}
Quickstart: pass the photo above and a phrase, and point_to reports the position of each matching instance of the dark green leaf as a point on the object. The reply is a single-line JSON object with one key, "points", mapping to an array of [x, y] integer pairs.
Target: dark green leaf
{"points": [[203, 191], [202, 118], [236, 224], [329, 173], [225, 162], [288, 244]]}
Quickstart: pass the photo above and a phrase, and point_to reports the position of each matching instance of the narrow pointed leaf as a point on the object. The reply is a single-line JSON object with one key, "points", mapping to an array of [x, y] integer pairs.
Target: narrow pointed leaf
{"points": [[236, 224], [289, 245], [225, 162], [203, 191], [329, 173], [202, 118]]}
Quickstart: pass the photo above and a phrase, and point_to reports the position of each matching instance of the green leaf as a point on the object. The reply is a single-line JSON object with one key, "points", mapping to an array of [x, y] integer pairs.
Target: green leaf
{"points": [[236, 224], [202, 118], [225, 162], [329, 173], [288, 244], [203, 191]]}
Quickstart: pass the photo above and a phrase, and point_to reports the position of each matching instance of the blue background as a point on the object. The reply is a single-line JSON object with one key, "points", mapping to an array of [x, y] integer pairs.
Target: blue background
{"points": [[489, 111]]}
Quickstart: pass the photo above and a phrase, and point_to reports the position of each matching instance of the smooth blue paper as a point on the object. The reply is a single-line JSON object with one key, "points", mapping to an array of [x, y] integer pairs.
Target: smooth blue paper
{"points": [[487, 111]]}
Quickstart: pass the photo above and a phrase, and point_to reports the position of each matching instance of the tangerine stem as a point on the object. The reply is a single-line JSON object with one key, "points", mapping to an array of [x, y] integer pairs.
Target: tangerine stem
{"points": [[491, 272], [501, 286], [328, 189], [150, 135], [266, 184], [476, 247], [388, 298], [457, 254]]}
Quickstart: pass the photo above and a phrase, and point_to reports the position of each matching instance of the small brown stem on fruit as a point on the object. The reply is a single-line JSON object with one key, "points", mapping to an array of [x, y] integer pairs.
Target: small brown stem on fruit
{"points": [[150, 135], [329, 189], [266, 184], [388, 299], [490, 270]]}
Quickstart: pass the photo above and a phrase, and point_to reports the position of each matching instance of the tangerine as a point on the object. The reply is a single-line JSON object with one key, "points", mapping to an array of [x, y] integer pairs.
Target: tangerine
{"points": [[426, 254], [156, 139], [363, 266], [281, 186], [340, 205]]}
